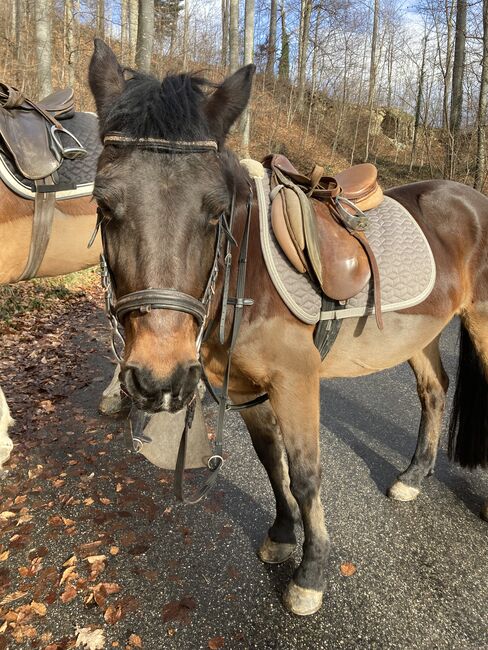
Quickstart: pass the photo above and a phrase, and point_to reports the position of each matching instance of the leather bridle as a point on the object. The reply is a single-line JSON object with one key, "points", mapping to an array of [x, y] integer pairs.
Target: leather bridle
{"points": [[146, 300]]}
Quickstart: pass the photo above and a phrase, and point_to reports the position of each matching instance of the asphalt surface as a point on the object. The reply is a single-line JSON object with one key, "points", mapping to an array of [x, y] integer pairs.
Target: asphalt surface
{"points": [[422, 567]]}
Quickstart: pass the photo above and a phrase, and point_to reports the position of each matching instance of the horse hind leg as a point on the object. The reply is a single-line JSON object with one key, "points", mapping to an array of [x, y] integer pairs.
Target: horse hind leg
{"points": [[432, 384], [280, 542], [6, 444]]}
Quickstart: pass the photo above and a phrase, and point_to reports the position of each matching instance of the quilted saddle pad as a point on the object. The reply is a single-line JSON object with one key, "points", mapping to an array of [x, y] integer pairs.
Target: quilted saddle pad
{"points": [[405, 261]]}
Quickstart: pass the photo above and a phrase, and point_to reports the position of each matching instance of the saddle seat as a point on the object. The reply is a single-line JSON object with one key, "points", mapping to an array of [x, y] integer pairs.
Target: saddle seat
{"points": [[314, 232], [32, 136]]}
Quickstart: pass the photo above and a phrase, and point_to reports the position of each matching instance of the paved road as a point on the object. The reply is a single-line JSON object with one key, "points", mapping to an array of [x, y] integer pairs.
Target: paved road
{"points": [[422, 568]]}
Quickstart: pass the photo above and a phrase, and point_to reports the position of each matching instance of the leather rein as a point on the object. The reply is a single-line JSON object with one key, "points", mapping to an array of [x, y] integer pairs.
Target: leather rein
{"points": [[146, 300]]}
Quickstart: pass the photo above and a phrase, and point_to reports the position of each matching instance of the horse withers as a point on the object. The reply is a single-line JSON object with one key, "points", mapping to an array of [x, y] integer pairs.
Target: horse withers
{"points": [[165, 178]]}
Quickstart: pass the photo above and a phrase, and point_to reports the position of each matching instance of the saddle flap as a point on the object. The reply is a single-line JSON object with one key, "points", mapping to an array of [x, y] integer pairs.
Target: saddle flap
{"points": [[26, 137], [345, 268]]}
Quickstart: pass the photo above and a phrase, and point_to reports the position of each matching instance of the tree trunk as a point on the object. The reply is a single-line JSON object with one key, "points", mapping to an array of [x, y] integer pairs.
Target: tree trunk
{"points": [[248, 58], [457, 85], [306, 10], [480, 171], [133, 26], [234, 35], [372, 74], [186, 29], [70, 42], [43, 46], [271, 55], [225, 33], [145, 35], [101, 18], [284, 64], [418, 105], [124, 28]]}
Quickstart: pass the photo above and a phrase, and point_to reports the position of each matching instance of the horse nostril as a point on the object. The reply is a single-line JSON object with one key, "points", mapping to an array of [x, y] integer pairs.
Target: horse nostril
{"points": [[142, 380]]}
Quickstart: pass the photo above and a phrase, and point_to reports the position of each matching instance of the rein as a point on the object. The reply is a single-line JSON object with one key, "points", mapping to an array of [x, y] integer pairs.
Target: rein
{"points": [[146, 300]]}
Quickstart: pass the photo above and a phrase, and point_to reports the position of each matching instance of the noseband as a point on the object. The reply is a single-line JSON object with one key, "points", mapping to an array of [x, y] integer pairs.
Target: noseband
{"points": [[146, 300]]}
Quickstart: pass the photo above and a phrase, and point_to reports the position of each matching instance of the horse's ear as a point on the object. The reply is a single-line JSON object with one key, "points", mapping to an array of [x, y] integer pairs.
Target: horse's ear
{"points": [[229, 100], [105, 76]]}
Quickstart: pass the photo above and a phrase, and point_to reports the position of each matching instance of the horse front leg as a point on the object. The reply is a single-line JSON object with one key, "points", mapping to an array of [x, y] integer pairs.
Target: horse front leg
{"points": [[6, 444], [261, 422], [296, 402]]}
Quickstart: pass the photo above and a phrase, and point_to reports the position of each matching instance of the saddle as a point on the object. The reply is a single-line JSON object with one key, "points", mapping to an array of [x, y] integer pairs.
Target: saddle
{"points": [[36, 142], [319, 223]]}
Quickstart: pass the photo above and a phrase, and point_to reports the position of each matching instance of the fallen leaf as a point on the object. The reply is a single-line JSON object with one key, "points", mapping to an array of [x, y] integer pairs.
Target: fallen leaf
{"points": [[216, 643], [39, 608], [68, 594], [4, 555], [113, 613], [67, 573], [47, 406], [72, 561], [348, 569], [135, 641], [90, 639], [179, 610], [7, 514], [16, 595], [114, 550], [95, 558]]}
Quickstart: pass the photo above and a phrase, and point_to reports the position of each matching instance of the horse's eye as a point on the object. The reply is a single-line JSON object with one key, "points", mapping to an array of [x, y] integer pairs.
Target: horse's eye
{"points": [[213, 221]]}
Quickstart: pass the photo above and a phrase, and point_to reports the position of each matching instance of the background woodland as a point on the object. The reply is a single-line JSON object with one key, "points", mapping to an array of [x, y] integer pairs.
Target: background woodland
{"points": [[338, 82]]}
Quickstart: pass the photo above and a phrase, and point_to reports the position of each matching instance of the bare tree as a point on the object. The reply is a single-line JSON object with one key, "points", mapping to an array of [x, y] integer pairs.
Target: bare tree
{"points": [[248, 58], [457, 85], [306, 10], [271, 53], [133, 28], [43, 45], [145, 35], [418, 104], [284, 63], [234, 35], [69, 18], [225, 33], [372, 73], [101, 18], [124, 27], [480, 169]]}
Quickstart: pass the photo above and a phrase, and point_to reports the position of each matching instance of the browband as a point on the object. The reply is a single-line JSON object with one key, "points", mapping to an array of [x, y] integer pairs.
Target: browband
{"points": [[171, 146]]}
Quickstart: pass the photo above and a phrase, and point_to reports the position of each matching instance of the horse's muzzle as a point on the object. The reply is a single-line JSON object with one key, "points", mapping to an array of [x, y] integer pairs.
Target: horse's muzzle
{"points": [[153, 394]]}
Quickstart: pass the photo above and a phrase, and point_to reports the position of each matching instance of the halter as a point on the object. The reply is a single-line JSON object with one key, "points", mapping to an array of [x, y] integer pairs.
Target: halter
{"points": [[146, 300]]}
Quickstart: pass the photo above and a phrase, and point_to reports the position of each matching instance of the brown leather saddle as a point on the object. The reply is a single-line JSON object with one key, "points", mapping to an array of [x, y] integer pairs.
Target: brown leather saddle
{"points": [[35, 140], [319, 223]]}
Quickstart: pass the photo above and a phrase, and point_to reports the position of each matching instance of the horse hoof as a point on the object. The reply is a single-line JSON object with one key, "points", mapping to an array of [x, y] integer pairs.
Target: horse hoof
{"points": [[484, 511], [110, 405], [274, 552], [301, 601], [400, 491]]}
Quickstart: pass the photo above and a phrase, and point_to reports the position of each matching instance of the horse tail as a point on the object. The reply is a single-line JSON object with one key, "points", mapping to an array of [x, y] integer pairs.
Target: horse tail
{"points": [[468, 427]]}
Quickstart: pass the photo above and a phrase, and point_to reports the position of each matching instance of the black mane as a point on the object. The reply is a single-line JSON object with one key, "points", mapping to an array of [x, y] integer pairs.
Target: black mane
{"points": [[171, 109]]}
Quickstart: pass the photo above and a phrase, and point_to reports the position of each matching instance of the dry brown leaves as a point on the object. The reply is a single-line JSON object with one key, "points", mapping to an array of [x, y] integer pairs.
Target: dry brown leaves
{"points": [[348, 569], [216, 643], [179, 611]]}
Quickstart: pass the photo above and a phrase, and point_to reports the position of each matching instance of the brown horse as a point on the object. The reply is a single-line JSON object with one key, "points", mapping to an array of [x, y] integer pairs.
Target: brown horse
{"points": [[160, 214]]}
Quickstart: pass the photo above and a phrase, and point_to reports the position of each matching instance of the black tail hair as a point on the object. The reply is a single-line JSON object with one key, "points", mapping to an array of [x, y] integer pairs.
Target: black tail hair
{"points": [[468, 427]]}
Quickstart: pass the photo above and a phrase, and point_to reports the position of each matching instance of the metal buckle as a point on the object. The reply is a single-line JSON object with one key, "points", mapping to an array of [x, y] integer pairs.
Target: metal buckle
{"points": [[211, 466], [71, 153]]}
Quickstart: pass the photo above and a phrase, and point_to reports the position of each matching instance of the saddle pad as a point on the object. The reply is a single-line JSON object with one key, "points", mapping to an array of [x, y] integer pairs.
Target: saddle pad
{"points": [[79, 172], [405, 261]]}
